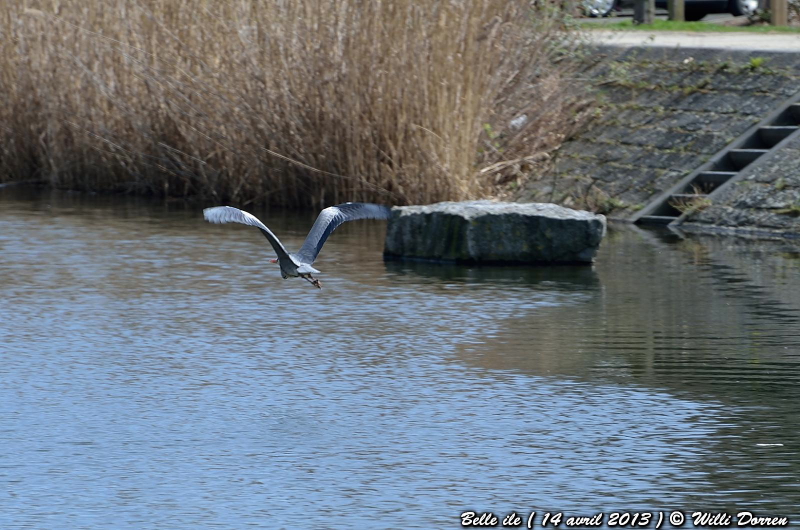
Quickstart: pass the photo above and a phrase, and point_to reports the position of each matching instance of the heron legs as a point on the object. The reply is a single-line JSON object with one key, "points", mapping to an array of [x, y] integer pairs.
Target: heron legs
{"points": [[313, 281]]}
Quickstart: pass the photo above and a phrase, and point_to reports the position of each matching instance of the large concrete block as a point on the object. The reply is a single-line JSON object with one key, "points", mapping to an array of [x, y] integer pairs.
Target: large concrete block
{"points": [[494, 232]]}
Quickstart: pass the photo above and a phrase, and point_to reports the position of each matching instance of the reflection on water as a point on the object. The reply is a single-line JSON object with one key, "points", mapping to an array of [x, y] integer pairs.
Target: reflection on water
{"points": [[157, 371]]}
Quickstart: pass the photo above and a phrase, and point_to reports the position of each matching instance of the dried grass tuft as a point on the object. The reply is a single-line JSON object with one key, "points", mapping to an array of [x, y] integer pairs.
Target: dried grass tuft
{"points": [[292, 102]]}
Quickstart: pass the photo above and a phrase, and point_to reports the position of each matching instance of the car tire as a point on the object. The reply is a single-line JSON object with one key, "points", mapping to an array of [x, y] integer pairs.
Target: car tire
{"points": [[739, 8], [693, 15], [599, 8]]}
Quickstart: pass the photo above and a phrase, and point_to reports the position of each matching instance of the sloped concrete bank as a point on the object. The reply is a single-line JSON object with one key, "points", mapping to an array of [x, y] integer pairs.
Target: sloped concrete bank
{"points": [[663, 113], [766, 200]]}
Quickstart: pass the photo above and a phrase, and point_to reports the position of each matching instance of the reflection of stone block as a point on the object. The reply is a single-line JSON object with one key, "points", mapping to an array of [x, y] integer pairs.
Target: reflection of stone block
{"points": [[494, 232]]}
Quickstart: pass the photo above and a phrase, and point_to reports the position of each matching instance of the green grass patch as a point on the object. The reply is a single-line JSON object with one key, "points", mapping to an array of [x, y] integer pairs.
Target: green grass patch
{"points": [[670, 25]]}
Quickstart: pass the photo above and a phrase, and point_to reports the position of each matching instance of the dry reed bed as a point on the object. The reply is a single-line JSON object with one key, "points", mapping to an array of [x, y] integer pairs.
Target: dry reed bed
{"points": [[292, 102]]}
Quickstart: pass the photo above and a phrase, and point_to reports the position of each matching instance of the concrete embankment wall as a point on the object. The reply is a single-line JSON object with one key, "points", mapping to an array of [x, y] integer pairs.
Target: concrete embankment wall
{"points": [[765, 199], [665, 112]]}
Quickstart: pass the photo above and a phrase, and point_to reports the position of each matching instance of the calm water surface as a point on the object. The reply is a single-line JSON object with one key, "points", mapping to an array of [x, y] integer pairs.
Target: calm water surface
{"points": [[156, 371]]}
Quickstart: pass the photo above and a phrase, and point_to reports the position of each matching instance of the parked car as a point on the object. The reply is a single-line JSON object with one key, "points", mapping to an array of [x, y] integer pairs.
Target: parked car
{"points": [[599, 8], [693, 9]]}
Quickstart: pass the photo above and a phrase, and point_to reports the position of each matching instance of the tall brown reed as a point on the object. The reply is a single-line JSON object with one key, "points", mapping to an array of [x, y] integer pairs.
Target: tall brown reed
{"points": [[293, 102]]}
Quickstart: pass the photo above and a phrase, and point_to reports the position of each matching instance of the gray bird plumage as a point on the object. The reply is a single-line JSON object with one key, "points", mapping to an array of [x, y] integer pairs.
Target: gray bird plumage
{"points": [[329, 219]]}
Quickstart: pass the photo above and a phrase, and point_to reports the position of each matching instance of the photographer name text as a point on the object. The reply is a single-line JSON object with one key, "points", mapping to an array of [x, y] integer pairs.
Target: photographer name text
{"points": [[674, 519]]}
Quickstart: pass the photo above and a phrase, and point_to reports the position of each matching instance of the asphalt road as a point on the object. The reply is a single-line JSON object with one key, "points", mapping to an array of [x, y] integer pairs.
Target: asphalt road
{"points": [[774, 42]]}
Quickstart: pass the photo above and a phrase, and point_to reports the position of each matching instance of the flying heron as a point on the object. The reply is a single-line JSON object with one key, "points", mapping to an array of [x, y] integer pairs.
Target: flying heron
{"points": [[299, 264]]}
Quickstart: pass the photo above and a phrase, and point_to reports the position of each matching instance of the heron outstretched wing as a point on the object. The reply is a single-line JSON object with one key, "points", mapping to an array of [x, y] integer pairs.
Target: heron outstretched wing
{"points": [[229, 214], [330, 218]]}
